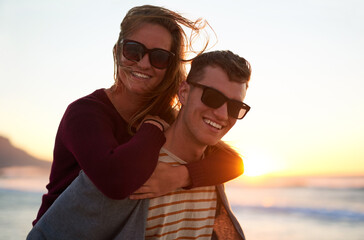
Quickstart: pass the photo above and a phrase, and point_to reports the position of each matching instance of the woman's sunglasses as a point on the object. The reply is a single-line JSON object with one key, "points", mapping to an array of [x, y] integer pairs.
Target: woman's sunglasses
{"points": [[135, 51], [215, 99]]}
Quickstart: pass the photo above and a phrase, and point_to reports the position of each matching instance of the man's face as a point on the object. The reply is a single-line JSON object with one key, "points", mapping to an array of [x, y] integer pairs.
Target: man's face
{"points": [[206, 125]]}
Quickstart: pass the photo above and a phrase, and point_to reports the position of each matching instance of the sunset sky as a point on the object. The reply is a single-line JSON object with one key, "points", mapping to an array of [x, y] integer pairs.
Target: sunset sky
{"points": [[306, 90]]}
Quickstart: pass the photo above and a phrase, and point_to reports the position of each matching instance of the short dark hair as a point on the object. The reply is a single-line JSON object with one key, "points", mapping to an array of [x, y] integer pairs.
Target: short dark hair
{"points": [[237, 68]]}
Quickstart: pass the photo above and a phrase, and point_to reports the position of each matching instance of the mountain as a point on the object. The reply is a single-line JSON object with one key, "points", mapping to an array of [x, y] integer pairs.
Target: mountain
{"points": [[11, 156]]}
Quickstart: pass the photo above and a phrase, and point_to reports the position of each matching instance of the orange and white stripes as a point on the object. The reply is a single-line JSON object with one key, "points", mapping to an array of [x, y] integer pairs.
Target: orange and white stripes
{"points": [[182, 214]]}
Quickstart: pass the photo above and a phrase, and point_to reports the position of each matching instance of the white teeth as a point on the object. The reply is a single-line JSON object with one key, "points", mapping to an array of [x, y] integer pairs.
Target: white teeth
{"points": [[215, 125], [141, 75]]}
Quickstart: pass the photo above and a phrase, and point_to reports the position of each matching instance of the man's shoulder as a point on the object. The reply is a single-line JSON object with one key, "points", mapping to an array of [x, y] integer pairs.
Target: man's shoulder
{"points": [[168, 157]]}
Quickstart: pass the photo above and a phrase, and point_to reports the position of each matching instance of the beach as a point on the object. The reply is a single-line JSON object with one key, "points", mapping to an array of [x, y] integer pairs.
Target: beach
{"points": [[265, 213]]}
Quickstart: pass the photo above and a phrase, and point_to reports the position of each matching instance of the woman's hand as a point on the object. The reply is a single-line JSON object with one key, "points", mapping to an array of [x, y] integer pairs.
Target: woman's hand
{"points": [[164, 179]]}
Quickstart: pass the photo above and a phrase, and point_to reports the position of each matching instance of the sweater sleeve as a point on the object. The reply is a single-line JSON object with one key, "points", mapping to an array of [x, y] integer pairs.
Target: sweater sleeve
{"points": [[116, 169], [215, 168]]}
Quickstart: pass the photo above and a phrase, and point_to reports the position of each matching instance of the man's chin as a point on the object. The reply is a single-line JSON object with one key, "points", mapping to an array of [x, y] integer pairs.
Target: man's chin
{"points": [[211, 142]]}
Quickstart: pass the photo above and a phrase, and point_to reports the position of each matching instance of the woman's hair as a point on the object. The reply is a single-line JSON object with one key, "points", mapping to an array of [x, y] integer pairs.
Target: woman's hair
{"points": [[162, 100]]}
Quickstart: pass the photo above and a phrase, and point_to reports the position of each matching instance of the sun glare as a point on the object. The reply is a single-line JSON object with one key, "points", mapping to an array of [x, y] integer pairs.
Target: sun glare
{"points": [[254, 170], [258, 165]]}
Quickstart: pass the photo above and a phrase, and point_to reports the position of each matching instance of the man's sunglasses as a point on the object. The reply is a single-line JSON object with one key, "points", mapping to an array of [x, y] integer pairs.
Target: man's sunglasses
{"points": [[215, 99], [135, 51]]}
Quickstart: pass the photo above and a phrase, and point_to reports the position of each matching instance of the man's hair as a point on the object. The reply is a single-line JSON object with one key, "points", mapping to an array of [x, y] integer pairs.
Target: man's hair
{"points": [[237, 68]]}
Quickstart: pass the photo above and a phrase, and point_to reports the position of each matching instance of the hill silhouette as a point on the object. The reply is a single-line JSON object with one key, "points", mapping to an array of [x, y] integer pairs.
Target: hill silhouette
{"points": [[11, 156]]}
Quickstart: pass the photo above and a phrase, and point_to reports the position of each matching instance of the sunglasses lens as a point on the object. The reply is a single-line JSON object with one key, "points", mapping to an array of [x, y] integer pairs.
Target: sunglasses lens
{"points": [[235, 109], [212, 98], [215, 99], [133, 51], [159, 58]]}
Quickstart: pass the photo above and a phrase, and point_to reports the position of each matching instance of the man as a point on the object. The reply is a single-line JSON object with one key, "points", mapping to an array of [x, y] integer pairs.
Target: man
{"points": [[211, 102]]}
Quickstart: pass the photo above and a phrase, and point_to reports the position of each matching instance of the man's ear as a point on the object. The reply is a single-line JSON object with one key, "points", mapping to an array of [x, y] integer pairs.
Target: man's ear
{"points": [[183, 92]]}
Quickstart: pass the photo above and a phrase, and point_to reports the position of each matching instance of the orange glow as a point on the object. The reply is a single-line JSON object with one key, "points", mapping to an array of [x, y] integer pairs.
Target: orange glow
{"points": [[258, 164]]}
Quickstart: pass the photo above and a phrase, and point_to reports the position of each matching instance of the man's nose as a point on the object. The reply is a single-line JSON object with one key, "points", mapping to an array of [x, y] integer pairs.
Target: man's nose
{"points": [[222, 112]]}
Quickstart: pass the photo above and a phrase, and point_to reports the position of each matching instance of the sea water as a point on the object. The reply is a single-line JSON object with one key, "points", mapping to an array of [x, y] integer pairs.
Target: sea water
{"points": [[299, 213], [17, 211], [293, 213]]}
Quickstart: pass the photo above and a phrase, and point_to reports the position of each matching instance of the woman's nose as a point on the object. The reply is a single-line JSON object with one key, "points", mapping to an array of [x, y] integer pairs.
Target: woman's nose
{"points": [[144, 62]]}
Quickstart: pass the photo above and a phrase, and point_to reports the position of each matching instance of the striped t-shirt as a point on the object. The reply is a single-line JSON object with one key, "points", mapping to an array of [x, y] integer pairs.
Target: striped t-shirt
{"points": [[182, 214]]}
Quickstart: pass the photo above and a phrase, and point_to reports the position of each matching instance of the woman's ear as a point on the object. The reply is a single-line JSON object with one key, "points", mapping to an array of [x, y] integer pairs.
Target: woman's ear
{"points": [[183, 92]]}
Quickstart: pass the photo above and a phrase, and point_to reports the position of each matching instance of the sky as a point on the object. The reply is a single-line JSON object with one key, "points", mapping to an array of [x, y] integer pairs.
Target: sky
{"points": [[306, 89]]}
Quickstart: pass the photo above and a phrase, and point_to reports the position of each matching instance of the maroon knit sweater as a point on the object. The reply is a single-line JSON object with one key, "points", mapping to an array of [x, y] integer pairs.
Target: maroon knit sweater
{"points": [[93, 136]]}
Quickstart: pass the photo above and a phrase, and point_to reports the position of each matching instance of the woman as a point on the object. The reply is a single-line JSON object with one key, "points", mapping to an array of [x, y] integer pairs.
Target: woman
{"points": [[96, 133]]}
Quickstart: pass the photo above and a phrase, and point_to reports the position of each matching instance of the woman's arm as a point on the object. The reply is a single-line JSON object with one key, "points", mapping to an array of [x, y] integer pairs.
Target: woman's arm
{"points": [[217, 167], [117, 163], [221, 164]]}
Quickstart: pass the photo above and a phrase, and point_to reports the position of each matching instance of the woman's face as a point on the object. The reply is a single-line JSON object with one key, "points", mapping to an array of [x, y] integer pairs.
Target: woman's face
{"points": [[142, 77]]}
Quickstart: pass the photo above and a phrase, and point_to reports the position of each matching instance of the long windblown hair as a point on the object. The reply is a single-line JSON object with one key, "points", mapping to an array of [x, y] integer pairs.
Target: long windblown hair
{"points": [[160, 101]]}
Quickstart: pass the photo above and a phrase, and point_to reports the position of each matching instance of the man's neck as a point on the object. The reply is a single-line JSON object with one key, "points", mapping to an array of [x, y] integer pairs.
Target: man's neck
{"points": [[182, 145]]}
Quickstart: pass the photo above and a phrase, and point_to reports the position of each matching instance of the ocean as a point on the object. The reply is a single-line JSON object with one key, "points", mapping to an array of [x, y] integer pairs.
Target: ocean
{"points": [[299, 213], [265, 213]]}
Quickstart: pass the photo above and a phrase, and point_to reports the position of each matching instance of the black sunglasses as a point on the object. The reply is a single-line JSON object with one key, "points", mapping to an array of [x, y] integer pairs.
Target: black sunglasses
{"points": [[135, 51], [215, 99]]}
